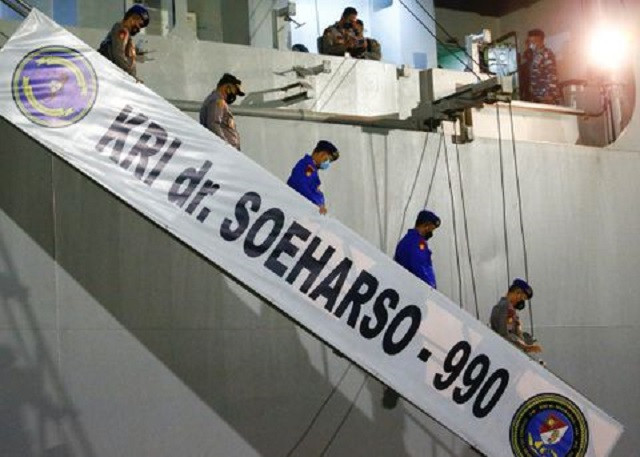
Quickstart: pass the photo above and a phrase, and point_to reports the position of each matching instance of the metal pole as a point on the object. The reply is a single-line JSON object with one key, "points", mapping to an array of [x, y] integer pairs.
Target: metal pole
{"points": [[381, 122]]}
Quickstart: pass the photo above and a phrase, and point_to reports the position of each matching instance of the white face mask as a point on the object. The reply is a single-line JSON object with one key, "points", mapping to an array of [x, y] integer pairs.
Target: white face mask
{"points": [[532, 46]]}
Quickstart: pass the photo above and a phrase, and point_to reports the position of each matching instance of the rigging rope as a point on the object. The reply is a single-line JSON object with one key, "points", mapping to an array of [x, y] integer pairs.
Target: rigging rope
{"points": [[466, 232], [454, 223], [430, 32], [346, 416], [413, 187], [433, 173], [504, 198], [519, 195], [317, 414]]}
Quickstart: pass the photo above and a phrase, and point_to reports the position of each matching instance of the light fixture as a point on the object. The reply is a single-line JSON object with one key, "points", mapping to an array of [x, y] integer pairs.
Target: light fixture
{"points": [[608, 48]]}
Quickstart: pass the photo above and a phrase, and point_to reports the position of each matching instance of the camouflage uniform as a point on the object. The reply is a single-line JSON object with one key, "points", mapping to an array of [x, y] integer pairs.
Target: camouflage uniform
{"points": [[335, 40], [217, 117], [118, 47], [541, 77]]}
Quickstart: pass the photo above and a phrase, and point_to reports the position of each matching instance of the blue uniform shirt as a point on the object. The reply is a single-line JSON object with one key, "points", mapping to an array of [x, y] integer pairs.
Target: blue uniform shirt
{"points": [[414, 254], [304, 179]]}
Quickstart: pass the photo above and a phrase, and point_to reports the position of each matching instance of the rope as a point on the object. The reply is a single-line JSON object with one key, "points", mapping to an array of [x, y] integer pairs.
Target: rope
{"points": [[413, 187], [454, 223], [317, 414], [446, 32], [519, 194], [433, 173], [344, 419], [430, 32], [466, 233], [504, 198]]}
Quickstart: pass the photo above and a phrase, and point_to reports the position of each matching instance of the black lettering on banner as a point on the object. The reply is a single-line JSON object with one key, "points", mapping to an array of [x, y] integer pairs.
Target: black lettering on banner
{"points": [[327, 290], [308, 262], [143, 149], [502, 377], [274, 215], [473, 378], [208, 188], [410, 312], [119, 131], [192, 178], [362, 290], [387, 298], [164, 160], [453, 365], [242, 216], [285, 246]]}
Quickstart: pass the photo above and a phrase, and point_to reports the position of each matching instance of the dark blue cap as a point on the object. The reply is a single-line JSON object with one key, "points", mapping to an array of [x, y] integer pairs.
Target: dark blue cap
{"points": [[328, 146], [140, 11], [523, 286], [426, 217]]}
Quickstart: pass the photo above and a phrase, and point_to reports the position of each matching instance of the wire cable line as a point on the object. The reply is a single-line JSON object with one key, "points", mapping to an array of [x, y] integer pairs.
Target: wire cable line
{"points": [[454, 223], [504, 198], [521, 217], [466, 232], [430, 32], [413, 187]]}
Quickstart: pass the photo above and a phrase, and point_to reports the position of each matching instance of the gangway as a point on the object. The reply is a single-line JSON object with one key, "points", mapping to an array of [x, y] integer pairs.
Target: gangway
{"points": [[322, 275]]}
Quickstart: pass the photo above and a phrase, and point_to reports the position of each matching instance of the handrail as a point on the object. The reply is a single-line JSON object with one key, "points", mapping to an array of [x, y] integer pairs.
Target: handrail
{"points": [[382, 122], [19, 6]]}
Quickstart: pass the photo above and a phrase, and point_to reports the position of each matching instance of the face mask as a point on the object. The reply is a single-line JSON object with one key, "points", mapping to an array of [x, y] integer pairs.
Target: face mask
{"points": [[428, 236], [230, 98], [325, 165], [532, 46], [520, 305]]}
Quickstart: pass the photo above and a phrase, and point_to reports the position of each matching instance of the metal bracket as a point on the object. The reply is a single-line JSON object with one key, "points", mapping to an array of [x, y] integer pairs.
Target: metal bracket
{"points": [[457, 107]]}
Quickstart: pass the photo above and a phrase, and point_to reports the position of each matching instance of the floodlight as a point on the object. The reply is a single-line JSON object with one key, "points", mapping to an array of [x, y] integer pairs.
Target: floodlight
{"points": [[608, 48]]}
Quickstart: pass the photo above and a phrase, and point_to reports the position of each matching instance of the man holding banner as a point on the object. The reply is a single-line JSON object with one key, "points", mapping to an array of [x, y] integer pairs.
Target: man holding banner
{"points": [[505, 320]]}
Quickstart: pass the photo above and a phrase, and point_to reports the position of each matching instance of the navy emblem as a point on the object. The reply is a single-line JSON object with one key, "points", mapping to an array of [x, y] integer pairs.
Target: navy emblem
{"points": [[549, 425], [54, 86]]}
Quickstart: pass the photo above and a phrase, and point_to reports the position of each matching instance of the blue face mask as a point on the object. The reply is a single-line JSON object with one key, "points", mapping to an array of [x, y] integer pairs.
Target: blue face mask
{"points": [[325, 165]]}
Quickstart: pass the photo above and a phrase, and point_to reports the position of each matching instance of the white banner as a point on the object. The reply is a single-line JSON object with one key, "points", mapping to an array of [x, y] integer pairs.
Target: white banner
{"points": [[178, 174]]}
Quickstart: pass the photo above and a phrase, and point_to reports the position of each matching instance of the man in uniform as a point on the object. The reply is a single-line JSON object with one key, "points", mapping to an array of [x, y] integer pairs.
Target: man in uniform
{"points": [[215, 113], [505, 320], [118, 45], [304, 176], [371, 49], [413, 253], [539, 75], [341, 37]]}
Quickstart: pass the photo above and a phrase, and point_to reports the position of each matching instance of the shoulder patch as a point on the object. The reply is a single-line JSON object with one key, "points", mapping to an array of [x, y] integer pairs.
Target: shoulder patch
{"points": [[123, 34], [309, 171], [422, 245], [220, 102]]}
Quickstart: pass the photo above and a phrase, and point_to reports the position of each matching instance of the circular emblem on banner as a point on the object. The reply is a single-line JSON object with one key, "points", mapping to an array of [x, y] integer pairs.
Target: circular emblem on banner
{"points": [[54, 86], [549, 425]]}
